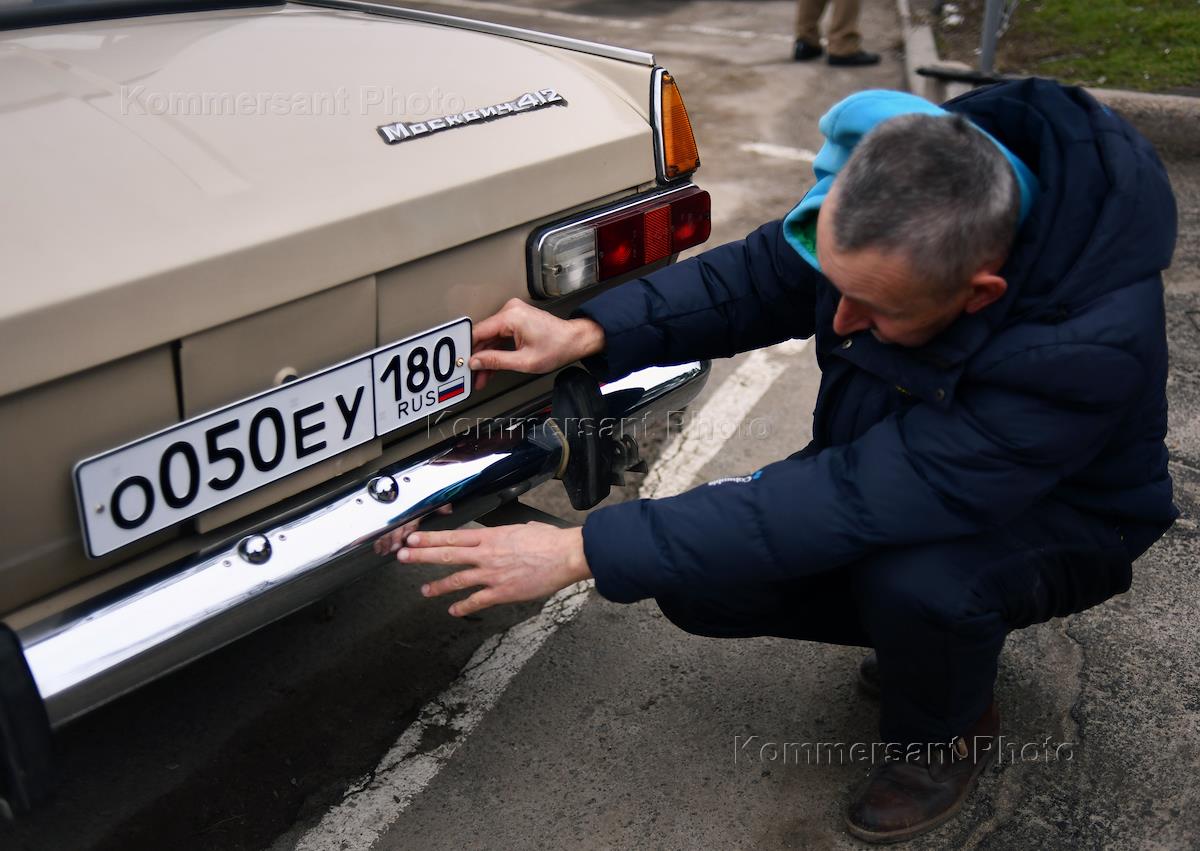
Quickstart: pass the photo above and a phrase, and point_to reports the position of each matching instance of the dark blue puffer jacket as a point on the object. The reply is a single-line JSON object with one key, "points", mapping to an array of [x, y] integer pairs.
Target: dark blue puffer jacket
{"points": [[1055, 391]]}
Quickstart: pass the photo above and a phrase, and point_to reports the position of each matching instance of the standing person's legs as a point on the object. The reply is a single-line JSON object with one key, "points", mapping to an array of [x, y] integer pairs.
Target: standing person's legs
{"points": [[808, 21], [844, 38]]}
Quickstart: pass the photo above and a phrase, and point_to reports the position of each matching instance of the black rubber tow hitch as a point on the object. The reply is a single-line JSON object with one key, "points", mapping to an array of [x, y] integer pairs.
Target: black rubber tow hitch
{"points": [[598, 450]]}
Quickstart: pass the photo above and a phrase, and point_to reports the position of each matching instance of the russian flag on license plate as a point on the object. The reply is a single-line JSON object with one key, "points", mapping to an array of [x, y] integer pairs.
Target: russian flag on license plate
{"points": [[449, 391]]}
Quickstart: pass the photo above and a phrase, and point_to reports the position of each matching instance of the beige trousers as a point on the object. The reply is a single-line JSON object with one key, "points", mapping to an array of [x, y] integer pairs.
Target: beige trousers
{"points": [[844, 37]]}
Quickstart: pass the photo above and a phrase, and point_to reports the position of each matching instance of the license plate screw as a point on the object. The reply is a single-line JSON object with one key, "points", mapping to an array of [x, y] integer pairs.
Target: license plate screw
{"points": [[255, 549], [383, 489], [459, 362], [100, 508]]}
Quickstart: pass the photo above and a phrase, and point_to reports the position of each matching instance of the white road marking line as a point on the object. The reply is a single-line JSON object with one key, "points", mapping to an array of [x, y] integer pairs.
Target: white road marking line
{"points": [[699, 441], [592, 20], [372, 804], [779, 152]]}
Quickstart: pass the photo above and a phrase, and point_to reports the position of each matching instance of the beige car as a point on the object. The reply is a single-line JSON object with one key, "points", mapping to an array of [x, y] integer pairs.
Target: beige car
{"points": [[243, 245]]}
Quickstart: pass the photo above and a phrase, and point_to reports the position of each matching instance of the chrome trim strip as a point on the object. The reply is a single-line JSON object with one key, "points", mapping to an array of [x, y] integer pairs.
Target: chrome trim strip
{"points": [[109, 646], [608, 51], [538, 238], [656, 123]]}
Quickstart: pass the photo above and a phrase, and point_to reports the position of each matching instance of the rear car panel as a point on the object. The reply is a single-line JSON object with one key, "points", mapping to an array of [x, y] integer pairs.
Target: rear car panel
{"points": [[156, 214], [203, 205], [200, 207]]}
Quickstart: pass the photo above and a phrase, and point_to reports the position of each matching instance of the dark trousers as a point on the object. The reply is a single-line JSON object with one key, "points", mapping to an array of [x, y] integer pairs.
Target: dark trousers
{"points": [[937, 614]]}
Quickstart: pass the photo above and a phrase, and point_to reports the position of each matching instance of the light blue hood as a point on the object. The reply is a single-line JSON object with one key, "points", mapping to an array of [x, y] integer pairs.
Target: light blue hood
{"points": [[847, 122]]}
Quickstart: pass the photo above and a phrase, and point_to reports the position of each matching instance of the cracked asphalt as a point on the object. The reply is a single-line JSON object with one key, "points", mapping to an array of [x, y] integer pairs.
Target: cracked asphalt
{"points": [[621, 731]]}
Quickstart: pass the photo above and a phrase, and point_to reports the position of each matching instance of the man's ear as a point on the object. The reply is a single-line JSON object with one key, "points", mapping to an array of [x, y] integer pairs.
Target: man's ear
{"points": [[986, 287]]}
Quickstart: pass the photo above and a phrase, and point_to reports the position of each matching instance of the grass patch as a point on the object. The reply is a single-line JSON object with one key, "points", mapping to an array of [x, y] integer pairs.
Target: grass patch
{"points": [[1152, 45]]}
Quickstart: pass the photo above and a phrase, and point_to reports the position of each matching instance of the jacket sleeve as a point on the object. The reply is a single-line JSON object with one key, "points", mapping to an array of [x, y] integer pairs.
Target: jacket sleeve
{"points": [[730, 299], [928, 473]]}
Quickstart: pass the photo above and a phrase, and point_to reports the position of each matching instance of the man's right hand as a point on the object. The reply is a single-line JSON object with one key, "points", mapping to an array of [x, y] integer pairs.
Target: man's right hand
{"points": [[541, 342]]}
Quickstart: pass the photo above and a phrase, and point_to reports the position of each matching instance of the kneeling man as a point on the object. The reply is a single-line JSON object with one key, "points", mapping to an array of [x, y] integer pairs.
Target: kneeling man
{"points": [[983, 285]]}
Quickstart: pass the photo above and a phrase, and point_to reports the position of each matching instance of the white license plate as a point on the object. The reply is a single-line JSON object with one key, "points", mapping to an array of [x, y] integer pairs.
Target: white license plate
{"points": [[137, 489]]}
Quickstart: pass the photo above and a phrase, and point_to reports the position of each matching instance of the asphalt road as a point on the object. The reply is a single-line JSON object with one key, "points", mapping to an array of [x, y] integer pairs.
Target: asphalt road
{"points": [[619, 731]]}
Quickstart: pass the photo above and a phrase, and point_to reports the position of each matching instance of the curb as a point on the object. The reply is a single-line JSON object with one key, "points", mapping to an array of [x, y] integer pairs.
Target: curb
{"points": [[1170, 122], [921, 50]]}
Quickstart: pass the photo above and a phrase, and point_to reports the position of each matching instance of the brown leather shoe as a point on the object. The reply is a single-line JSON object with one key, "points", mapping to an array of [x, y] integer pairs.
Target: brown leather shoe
{"points": [[804, 51], [856, 59], [905, 797]]}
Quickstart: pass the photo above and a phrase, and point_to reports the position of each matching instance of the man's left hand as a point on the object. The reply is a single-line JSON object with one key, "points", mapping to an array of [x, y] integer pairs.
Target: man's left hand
{"points": [[512, 563]]}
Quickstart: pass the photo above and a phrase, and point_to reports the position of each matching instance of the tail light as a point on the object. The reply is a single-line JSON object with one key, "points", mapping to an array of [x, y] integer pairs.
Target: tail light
{"points": [[571, 256], [676, 154]]}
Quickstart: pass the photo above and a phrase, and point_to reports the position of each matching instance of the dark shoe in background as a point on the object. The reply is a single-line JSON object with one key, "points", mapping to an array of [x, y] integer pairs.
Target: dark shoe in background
{"points": [[805, 51], [862, 57], [868, 675], [904, 797]]}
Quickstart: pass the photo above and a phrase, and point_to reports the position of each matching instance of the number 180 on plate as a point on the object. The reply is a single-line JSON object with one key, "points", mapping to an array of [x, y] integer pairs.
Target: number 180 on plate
{"points": [[421, 375]]}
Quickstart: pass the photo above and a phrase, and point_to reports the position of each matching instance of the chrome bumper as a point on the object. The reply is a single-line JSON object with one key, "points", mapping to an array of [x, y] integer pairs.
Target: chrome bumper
{"points": [[109, 646]]}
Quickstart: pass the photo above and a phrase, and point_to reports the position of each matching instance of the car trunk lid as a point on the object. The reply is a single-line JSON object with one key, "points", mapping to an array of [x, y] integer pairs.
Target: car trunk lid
{"points": [[172, 173]]}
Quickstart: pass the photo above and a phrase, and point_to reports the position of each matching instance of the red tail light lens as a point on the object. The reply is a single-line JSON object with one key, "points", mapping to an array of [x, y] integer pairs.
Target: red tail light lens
{"points": [[619, 246], [691, 221], [569, 257]]}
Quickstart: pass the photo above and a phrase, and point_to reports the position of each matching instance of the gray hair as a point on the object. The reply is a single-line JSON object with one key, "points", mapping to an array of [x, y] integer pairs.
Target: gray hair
{"points": [[933, 188]]}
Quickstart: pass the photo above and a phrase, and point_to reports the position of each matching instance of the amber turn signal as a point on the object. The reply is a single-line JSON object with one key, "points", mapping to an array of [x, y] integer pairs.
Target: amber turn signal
{"points": [[676, 145]]}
